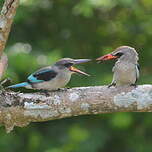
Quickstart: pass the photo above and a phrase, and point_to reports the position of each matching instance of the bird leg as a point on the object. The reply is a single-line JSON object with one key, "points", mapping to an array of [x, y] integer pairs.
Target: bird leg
{"points": [[134, 85], [112, 84], [45, 92], [63, 89]]}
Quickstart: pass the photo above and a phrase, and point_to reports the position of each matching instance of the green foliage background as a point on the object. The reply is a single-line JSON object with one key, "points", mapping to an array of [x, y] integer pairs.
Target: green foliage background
{"points": [[46, 30]]}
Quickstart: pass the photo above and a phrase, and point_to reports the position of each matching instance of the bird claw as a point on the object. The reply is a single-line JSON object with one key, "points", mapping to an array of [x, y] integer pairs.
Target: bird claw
{"points": [[134, 85], [63, 89], [112, 84], [45, 92]]}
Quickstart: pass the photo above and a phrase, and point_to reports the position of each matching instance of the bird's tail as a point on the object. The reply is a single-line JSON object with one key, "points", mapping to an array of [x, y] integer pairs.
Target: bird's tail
{"points": [[24, 84]]}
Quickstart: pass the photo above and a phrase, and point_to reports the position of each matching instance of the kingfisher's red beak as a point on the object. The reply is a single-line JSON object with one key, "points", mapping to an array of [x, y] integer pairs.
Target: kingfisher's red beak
{"points": [[73, 69], [106, 57]]}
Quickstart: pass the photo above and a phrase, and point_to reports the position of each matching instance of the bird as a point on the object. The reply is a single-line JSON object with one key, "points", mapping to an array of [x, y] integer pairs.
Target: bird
{"points": [[126, 70], [52, 77]]}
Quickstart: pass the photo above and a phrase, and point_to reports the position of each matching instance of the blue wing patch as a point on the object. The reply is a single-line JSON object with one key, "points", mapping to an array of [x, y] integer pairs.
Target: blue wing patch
{"points": [[42, 75], [32, 79]]}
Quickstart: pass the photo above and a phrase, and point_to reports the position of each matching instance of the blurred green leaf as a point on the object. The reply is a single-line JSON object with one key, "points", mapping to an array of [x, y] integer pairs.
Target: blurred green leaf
{"points": [[47, 30], [122, 120]]}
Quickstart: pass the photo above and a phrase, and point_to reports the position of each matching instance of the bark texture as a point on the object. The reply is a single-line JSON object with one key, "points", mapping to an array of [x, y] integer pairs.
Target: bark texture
{"points": [[3, 64], [19, 109], [6, 19]]}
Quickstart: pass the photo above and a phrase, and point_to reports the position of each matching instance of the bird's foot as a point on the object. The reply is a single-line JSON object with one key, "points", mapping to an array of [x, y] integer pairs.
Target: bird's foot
{"points": [[112, 84], [134, 85], [45, 92], [63, 89]]}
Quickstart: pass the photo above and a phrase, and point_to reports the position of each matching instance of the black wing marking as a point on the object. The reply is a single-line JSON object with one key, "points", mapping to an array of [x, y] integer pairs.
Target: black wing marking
{"points": [[41, 75], [45, 74], [138, 66], [137, 72]]}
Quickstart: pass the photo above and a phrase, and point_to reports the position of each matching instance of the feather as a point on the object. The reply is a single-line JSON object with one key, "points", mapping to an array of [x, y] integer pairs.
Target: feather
{"points": [[33, 79], [24, 84], [137, 72], [42, 75]]}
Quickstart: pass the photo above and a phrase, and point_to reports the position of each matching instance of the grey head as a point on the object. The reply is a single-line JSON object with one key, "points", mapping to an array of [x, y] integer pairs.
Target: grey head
{"points": [[126, 54], [123, 54], [66, 64]]}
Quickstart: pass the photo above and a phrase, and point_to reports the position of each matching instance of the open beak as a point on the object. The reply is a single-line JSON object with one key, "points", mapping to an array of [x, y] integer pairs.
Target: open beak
{"points": [[106, 57], [73, 69], [79, 61]]}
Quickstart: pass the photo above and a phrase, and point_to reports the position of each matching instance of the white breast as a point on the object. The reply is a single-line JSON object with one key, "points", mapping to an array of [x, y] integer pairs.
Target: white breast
{"points": [[125, 73]]}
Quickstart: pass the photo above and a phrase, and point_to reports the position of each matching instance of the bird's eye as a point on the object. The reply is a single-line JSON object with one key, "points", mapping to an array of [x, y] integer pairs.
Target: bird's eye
{"points": [[68, 64], [119, 54]]}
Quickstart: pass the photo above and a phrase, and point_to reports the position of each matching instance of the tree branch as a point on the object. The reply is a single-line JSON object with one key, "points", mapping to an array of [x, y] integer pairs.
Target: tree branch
{"points": [[18, 109], [6, 19]]}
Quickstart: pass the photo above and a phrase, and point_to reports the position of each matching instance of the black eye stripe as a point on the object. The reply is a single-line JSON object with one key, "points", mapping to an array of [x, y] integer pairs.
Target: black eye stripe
{"points": [[119, 54], [68, 64]]}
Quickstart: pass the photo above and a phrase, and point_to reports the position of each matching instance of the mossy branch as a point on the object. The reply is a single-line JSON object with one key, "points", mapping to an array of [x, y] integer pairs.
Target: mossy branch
{"points": [[19, 109]]}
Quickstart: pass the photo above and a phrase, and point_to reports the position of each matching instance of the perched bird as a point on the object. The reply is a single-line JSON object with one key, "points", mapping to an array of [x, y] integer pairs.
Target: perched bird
{"points": [[126, 69], [53, 77]]}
